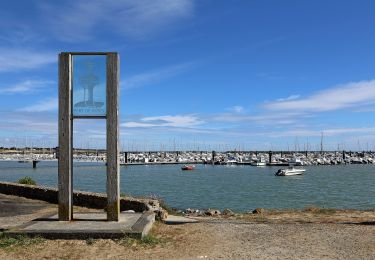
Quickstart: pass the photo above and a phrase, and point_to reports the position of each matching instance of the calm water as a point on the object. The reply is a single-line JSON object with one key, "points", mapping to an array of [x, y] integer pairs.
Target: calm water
{"points": [[240, 188]]}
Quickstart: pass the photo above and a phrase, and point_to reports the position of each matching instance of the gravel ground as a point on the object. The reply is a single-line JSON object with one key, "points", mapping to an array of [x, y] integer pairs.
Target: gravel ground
{"points": [[277, 235], [221, 239], [294, 241]]}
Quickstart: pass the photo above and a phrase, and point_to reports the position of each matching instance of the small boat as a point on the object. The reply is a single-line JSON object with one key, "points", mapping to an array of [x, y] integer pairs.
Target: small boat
{"points": [[295, 162], [188, 167], [259, 162], [290, 171]]}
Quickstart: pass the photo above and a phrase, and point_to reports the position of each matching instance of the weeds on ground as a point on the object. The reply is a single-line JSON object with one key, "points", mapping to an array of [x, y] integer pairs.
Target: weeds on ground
{"points": [[260, 219], [90, 241], [146, 241], [10, 242], [169, 209], [126, 195], [27, 180], [322, 211]]}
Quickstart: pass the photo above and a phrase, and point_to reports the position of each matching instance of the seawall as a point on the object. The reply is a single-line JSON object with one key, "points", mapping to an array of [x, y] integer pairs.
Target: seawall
{"points": [[80, 198]]}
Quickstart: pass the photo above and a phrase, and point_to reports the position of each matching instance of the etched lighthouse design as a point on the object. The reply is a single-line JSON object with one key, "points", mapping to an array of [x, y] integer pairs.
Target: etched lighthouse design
{"points": [[88, 82]]}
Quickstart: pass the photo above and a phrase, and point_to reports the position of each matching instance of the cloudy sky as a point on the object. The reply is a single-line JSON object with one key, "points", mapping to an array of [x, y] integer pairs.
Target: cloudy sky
{"points": [[251, 74]]}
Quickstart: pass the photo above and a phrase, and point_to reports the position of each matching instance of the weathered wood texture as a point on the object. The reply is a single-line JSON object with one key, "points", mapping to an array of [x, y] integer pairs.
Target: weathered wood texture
{"points": [[65, 135], [113, 166]]}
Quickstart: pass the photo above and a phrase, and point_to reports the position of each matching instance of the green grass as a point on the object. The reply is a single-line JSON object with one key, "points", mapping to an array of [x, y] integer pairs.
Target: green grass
{"points": [[146, 241], [27, 180], [10, 242]]}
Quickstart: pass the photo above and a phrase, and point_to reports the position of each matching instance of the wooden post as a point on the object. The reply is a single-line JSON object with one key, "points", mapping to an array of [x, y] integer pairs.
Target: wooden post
{"points": [[270, 157], [65, 142], [113, 176]]}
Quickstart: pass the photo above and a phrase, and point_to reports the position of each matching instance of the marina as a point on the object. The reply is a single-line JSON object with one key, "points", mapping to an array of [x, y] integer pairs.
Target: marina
{"points": [[252, 158], [238, 187]]}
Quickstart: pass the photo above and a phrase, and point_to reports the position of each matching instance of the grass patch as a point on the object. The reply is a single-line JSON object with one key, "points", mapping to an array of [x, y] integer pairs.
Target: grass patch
{"points": [[125, 195], [10, 242], [169, 209], [90, 241], [260, 219], [27, 180], [146, 241], [322, 211]]}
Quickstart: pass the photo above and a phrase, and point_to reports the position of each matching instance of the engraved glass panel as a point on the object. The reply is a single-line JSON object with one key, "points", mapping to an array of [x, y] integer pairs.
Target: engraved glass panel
{"points": [[89, 85]]}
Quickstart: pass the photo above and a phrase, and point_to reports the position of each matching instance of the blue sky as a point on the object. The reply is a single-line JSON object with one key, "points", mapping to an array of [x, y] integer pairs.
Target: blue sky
{"points": [[198, 74]]}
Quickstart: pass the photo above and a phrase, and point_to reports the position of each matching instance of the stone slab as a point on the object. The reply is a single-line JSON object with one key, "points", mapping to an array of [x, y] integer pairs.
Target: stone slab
{"points": [[87, 225], [176, 220], [13, 206]]}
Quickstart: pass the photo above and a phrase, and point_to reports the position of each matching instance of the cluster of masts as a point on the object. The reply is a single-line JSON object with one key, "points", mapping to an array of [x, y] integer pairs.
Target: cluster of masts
{"points": [[250, 158], [254, 158]]}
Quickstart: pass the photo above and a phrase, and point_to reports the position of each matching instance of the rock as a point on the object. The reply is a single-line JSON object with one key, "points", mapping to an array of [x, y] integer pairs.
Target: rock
{"points": [[212, 212], [190, 211], [258, 211], [161, 214], [129, 211], [228, 212]]}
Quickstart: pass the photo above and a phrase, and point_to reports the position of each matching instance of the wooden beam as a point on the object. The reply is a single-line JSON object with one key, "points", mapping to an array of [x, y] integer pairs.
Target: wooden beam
{"points": [[113, 166], [65, 139]]}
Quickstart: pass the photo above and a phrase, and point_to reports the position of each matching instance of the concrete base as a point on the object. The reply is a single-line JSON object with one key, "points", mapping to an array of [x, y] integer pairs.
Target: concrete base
{"points": [[177, 220], [87, 225]]}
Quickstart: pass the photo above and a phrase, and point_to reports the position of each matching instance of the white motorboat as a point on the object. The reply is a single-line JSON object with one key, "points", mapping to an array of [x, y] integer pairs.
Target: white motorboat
{"points": [[259, 162], [290, 171], [295, 162]]}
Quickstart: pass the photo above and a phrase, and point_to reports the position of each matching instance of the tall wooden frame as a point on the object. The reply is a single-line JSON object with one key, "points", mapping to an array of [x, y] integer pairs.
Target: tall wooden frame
{"points": [[66, 117]]}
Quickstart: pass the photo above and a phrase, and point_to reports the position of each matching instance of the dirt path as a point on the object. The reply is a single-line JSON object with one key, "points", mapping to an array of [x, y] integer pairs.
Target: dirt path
{"points": [[221, 239], [314, 234]]}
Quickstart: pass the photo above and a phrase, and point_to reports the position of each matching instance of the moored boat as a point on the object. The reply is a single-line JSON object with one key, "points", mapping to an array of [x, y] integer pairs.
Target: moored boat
{"points": [[290, 171], [259, 162], [188, 167]]}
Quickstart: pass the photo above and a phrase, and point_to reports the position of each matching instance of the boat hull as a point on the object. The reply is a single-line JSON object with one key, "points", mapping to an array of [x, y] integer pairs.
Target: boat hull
{"points": [[287, 172]]}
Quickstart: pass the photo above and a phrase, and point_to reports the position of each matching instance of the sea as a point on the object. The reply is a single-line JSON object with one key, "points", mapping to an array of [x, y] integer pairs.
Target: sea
{"points": [[239, 188]]}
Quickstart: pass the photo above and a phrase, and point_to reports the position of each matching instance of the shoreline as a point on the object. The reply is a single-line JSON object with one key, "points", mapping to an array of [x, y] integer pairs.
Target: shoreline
{"points": [[267, 235], [97, 201]]}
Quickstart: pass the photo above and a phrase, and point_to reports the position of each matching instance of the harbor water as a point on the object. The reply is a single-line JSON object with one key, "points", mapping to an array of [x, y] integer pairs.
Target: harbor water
{"points": [[240, 188]]}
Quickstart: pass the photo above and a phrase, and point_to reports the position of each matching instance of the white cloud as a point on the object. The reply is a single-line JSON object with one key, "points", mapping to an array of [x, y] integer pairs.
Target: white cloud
{"points": [[49, 104], [14, 59], [276, 118], [318, 133], [237, 109], [166, 121], [291, 97], [28, 86], [340, 97], [154, 76], [127, 17]]}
